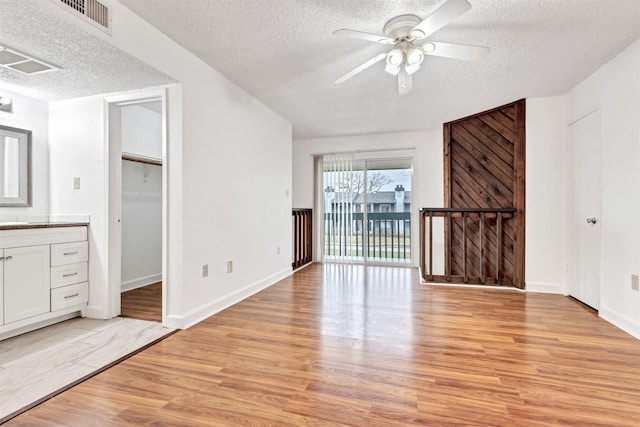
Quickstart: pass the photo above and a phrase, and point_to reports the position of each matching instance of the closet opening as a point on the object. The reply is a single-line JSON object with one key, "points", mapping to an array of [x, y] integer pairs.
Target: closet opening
{"points": [[137, 207]]}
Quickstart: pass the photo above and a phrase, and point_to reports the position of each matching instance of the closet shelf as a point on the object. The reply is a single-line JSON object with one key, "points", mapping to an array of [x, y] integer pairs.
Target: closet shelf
{"points": [[141, 159]]}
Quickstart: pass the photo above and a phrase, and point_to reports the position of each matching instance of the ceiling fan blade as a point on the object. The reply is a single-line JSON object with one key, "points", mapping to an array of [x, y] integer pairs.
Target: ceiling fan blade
{"points": [[363, 36], [441, 17], [361, 68], [405, 82], [457, 51]]}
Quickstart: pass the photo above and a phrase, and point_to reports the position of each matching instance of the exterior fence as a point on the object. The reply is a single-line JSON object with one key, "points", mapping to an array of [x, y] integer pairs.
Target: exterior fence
{"points": [[387, 236]]}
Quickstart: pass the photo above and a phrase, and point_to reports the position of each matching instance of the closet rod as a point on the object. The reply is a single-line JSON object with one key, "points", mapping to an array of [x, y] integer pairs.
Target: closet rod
{"points": [[141, 159]]}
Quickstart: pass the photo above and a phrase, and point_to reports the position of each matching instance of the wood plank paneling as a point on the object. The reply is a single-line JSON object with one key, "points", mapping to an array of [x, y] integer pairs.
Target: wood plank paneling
{"points": [[485, 168], [338, 345]]}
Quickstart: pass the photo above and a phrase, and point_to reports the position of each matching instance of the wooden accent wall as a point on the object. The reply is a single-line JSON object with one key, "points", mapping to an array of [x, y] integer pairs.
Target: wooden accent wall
{"points": [[484, 158]]}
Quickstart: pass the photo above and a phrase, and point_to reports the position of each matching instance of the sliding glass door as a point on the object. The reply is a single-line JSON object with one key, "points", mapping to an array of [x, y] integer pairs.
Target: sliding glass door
{"points": [[367, 210]]}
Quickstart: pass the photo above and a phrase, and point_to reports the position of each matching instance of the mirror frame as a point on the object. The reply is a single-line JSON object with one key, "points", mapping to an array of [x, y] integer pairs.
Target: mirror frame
{"points": [[24, 142]]}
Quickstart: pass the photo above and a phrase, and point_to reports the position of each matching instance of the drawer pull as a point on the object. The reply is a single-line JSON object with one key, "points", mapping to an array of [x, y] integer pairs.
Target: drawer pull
{"points": [[71, 296], [71, 253], [70, 274], [7, 258]]}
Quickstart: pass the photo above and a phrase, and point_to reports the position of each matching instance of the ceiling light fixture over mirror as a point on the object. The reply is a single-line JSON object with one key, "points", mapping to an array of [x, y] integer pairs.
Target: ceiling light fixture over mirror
{"points": [[6, 104]]}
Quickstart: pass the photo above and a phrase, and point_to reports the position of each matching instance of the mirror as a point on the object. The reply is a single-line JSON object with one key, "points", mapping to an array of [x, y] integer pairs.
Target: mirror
{"points": [[15, 166]]}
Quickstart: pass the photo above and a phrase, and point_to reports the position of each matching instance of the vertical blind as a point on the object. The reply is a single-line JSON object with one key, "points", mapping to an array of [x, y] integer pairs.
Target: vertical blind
{"points": [[338, 195]]}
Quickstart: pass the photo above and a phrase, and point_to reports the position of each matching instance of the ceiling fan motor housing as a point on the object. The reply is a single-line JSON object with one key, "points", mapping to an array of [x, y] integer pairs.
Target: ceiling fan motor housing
{"points": [[399, 28]]}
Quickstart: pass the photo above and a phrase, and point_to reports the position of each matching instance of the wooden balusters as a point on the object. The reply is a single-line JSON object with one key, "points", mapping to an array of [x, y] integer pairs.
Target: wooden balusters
{"points": [[468, 254], [302, 237]]}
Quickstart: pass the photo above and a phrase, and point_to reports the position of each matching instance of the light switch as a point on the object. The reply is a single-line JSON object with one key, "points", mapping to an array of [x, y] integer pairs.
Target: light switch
{"points": [[76, 183]]}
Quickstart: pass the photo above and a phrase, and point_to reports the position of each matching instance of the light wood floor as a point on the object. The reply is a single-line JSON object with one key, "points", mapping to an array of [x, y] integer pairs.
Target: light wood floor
{"points": [[143, 303], [344, 346]]}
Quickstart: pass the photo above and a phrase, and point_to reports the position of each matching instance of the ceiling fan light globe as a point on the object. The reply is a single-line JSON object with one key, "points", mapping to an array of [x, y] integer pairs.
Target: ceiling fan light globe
{"points": [[428, 47], [410, 69], [392, 69], [394, 57], [414, 56]]}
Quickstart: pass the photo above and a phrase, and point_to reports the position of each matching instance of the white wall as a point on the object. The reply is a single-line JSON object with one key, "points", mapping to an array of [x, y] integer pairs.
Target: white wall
{"points": [[544, 240], [229, 160], [427, 183], [33, 115], [615, 89], [77, 149], [141, 133], [142, 130]]}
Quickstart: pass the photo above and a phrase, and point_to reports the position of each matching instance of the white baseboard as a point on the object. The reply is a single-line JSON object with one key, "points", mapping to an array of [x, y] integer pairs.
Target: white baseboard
{"points": [[139, 282], [628, 325], [545, 288], [206, 310]]}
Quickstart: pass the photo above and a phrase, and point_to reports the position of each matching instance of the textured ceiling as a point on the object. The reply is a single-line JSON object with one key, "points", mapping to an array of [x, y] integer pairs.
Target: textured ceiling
{"points": [[89, 66], [283, 52]]}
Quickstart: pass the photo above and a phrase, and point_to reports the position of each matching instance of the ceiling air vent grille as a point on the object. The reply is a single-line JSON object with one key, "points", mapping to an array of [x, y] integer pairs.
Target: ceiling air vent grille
{"points": [[92, 11], [18, 61]]}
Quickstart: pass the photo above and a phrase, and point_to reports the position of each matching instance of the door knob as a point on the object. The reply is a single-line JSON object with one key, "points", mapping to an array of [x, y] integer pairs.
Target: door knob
{"points": [[592, 220]]}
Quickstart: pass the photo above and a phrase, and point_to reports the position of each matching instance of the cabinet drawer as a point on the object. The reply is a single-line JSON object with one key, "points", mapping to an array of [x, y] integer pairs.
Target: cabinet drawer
{"points": [[63, 275], [68, 296], [69, 253]]}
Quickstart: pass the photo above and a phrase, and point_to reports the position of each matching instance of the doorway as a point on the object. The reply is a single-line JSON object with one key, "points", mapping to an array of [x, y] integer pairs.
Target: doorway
{"points": [[366, 210], [137, 205], [585, 207]]}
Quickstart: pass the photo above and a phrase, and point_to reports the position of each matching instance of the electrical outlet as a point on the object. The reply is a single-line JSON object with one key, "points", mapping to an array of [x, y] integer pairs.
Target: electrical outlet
{"points": [[76, 183], [205, 270], [635, 282], [278, 250], [229, 266]]}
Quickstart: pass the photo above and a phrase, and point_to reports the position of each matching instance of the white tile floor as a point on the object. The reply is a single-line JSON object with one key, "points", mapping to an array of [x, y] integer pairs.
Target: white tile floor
{"points": [[41, 362]]}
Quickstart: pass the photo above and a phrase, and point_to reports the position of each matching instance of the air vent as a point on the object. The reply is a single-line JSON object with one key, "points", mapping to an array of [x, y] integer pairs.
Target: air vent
{"points": [[18, 61], [91, 11]]}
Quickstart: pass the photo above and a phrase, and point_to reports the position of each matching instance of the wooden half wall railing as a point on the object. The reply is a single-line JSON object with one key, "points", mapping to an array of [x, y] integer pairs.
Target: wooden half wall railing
{"points": [[483, 272], [302, 220]]}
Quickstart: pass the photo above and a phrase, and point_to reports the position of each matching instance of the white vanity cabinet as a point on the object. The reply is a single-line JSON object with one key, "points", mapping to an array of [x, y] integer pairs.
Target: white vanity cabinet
{"points": [[25, 282], [43, 276]]}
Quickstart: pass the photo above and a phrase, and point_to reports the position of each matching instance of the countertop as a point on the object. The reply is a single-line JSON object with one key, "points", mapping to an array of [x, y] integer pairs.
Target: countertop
{"points": [[17, 225]]}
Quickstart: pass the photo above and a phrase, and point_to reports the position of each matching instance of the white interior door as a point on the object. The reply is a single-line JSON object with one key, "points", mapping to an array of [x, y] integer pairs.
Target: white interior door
{"points": [[585, 162]]}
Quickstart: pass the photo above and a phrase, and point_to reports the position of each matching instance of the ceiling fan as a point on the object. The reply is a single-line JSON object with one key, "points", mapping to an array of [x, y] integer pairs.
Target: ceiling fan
{"points": [[407, 34]]}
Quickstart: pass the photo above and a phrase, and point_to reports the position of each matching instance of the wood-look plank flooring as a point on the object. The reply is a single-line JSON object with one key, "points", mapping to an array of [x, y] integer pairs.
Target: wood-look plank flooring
{"points": [[336, 345], [143, 303]]}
